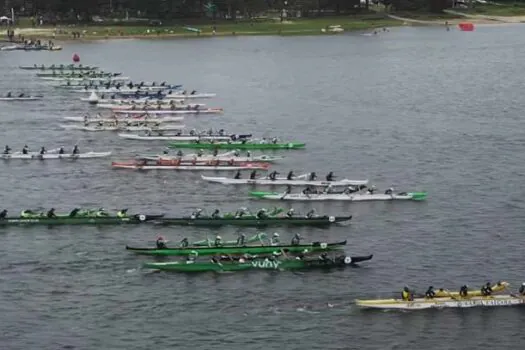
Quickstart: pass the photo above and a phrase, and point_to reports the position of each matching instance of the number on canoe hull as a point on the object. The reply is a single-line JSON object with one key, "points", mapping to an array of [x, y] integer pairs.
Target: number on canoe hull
{"points": [[266, 264]]}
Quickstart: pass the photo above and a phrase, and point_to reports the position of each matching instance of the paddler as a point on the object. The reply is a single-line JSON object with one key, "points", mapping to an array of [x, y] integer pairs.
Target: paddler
{"points": [[200, 153], [486, 290], [430, 294], [3, 214], [390, 191], [240, 212], [122, 213], [51, 213], [7, 149], [236, 153], [312, 176], [372, 189], [310, 214], [160, 243], [215, 152], [196, 213], [407, 294], [248, 154], [463, 291], [274, 140], [216, 214], [253, 175], [237, 175], [522, 289], [76, 150], [180, 154], [218, 241], [296, 240], [25, 150], [241, 239], [61, 150], [261, 214], [9, 94], [74, 212], [330, 176], [289, 213], [184, 243], [101, 213], [273, 175], [42, 151], [27, 213], [275, 239], [290, 175]]}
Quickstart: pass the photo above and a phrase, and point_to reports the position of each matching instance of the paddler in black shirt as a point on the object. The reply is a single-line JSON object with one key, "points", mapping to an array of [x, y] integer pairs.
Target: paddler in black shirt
{"points": [[61, 150], [3, 214], [25, 150], [253, 174], [216, 214], [42, 151], [241, 239], [51, 213], [184, 243], [74, 212], [290, 213], [430, 293], [160, 243], [310, 214], [522, 289], [296, 240], [273, 175], [290, 175], [463, 292], [330, 176], [76, 150], [215, 152], [312, 176], [238, 175], [486, 290], [7, 149]]}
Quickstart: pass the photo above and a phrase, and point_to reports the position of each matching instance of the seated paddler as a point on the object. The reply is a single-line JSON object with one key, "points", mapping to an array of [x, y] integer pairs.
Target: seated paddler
{"points": [[61, 150], [463, 291], [27, 213], [261, 214], [240, 212], [196, 213], [74, 212], [241, 240], [122, 213], [296, 240], [237, 175], [522, 289], [407, 294], [184, 243], [390, 191], [430, 293], [160, 243], [253, 175], [7, 149], [310, 214], [25, 150], [273, 175], [486, 290], [290, 175], [275, 239], [42, 150], [330, 176], [218, 241], [9, 94], [216, 214], [101, 213], [51, 213], [290, 213], [3, 214]]}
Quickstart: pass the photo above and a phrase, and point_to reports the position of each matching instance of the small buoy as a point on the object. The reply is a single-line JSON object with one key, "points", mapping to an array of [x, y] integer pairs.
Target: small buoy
{"points": [[466, 26], [76, 58], [93, 98]]}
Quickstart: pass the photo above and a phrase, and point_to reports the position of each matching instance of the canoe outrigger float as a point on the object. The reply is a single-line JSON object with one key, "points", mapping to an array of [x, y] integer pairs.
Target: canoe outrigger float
{"points": [[446, 299], [237, 145], [239, 250], [242, 264]]}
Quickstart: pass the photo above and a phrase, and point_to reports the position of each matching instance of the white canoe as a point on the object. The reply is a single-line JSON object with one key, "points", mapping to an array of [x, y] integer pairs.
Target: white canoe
{"points": [[353, 197], [297, 181], [440, 303], [184, 137], [155, 111], [33, 155], [115, 90], [142, 106], [28, 98], [179, 95], [60, 67], [124, 120], [85, 79], [184, 167], [121, 128], [142, 100]]}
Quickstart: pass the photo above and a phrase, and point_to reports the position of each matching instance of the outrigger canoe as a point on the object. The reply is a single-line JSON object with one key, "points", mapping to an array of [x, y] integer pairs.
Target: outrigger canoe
{"points": [[122, 127], [255, 222], [257, 264], [352, 197], [239, 250], [78, 220], [38, 156], [182, 137], [175, 165], [169, 111], [124, 120], [21, 98], [59, 67], [236, 145], [301, 180]]}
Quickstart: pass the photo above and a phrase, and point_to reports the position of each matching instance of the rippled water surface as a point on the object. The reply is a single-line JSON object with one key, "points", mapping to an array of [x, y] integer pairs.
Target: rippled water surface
{"points": [[417, 109]]}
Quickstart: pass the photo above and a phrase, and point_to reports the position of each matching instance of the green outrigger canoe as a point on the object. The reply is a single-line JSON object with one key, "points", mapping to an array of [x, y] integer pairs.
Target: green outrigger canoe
{"points": [[219, 265], [254, 222], [239, 250], [237, 145]]}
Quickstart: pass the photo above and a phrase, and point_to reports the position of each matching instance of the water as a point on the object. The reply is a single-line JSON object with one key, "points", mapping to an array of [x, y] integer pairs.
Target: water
{"points": [[415, 108]]}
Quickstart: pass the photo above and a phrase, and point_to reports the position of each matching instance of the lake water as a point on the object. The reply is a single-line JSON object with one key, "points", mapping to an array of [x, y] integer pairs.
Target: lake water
{"points": [[414, 108]]}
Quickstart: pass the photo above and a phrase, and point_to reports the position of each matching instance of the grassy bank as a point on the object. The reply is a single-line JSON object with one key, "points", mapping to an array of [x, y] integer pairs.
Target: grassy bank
{"points": [[515, 9], [307, 26]]}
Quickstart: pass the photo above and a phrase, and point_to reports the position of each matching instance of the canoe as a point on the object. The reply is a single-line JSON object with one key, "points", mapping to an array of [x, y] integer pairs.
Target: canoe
{"points": [[237, 250], [85, 79], [169, 111], [147, 106], [123, 119], [59, 67], [300, 180], [182, 137], [359, 197], [66, 74], [256, 264], [236, 145], [37, 156], [189, 166], [189, 96], [78, 220], [254, 222], [211, 158], [26, 98], [122, 128], [446, 302]]}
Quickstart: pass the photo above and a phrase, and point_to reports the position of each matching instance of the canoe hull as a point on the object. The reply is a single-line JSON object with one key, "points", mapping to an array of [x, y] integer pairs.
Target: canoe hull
{"points": [[55, 156], [314, 247], [416, 196], [81, 220], [197, 167], [446, 302], [282, 182], [252, 222], [237, 145]]}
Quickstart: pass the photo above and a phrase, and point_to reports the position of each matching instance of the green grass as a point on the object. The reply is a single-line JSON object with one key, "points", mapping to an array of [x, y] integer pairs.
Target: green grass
{"points": [[260, 27], [516, 9]]}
